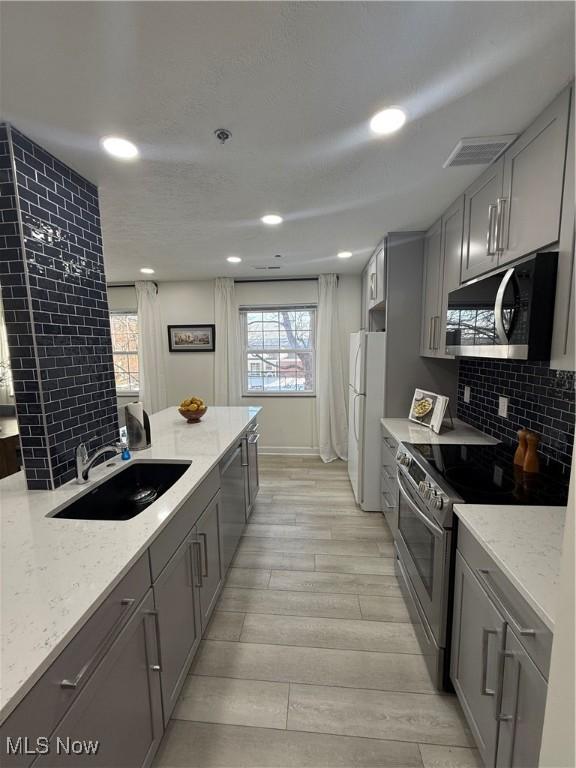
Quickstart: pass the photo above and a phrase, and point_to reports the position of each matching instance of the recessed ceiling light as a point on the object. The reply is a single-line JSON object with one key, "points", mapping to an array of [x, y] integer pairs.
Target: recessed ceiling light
{"points": [[147, 271], [272, 219], [234, 259], [388, 121], [120, 148], [345, 255]]}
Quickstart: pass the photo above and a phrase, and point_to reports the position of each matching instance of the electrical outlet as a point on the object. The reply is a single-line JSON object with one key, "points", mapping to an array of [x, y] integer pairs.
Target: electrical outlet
{"points": [[466, 394], [503, 407]]}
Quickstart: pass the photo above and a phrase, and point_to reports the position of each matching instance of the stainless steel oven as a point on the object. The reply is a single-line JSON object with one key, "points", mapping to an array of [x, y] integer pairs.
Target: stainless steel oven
{"points": [[424, 554], [425, 549]]}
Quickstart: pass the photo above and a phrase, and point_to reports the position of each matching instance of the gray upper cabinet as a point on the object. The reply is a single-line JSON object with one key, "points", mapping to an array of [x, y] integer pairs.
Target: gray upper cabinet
{"points": [[479, 252], [380, 280], [365, 319], [478, 636], [431, 288], [521, 712], [120, 706], [372, 281], [452, 233], [531, 203], [208, 544], [178, 614]]}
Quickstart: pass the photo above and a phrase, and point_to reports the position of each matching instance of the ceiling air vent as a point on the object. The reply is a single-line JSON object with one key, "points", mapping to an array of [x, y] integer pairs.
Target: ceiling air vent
{"points": [[479, 151], [266, 267]]}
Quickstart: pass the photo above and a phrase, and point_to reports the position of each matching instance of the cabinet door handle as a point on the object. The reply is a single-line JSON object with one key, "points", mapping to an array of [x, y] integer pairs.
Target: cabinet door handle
{"points": [[372, 286], [430, 347], [490, 248], [205, 547], [501, 717], [244, 452], [436, 334], [499, 231], [156, 667], [111, 635], [485, 648], [198, 552]]}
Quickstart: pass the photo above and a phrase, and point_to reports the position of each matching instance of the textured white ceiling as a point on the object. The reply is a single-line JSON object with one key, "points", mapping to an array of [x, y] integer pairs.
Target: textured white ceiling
{"points": [[296, 84]]}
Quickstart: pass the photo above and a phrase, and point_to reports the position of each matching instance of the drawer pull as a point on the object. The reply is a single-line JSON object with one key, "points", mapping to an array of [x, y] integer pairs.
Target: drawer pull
{"points": [[491, 588], [156, 667], [114, 631]]}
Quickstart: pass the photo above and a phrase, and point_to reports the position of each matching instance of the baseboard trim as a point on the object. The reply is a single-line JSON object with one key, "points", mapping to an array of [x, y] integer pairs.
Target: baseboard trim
{"points": [[270, 450]]}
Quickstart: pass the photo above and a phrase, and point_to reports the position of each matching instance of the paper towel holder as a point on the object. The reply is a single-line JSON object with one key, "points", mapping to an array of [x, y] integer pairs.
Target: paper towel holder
{"points": [[137, 427]]}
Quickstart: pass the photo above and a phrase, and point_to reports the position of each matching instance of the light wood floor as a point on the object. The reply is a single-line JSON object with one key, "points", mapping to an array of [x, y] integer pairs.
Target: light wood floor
{"points": [[310, 658]]}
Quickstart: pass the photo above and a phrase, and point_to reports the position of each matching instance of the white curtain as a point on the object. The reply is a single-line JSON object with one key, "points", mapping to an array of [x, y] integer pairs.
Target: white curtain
{"points": [[330, 390], [150, 340], [227, 363]]}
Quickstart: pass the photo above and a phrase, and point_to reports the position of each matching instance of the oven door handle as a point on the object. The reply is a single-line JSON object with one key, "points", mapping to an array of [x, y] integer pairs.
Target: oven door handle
{"points": [[435, 529]]}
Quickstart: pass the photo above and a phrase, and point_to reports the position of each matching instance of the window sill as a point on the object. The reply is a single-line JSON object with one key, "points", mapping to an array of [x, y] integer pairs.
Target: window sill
{"points": [[126, 393], [280, 394]]}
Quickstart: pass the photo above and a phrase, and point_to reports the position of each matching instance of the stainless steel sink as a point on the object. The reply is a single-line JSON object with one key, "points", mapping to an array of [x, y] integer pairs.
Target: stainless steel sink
{"points": [[125, 494]]}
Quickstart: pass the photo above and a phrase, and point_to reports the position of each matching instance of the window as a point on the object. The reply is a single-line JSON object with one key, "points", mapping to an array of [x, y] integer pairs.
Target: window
{"points": [[279, 350], [124, 327]]}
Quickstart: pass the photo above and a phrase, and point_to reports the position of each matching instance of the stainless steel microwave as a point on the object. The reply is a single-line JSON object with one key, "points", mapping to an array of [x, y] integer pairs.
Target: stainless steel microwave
{"points": [[508, 314]]}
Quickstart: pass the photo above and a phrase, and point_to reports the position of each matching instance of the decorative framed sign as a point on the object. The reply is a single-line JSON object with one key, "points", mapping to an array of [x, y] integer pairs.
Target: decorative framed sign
{"points": [[192, 338], [428, 409]]}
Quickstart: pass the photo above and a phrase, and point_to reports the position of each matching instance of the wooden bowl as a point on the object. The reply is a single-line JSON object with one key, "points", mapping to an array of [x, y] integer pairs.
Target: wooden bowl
{"points": [[193, 416]]}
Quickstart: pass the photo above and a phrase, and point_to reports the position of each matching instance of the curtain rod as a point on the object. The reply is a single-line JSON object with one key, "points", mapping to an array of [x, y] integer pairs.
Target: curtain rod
{"points": [[129, 285], [277, 279]]}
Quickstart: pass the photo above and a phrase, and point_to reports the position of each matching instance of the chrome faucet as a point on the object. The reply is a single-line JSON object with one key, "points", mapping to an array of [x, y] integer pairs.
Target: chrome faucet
{"points": [[84, 463]]}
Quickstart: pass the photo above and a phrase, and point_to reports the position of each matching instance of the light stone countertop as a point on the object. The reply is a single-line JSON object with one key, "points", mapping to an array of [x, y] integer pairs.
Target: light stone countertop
{"points": [[56, 572], [406, 431], [526, 544]]}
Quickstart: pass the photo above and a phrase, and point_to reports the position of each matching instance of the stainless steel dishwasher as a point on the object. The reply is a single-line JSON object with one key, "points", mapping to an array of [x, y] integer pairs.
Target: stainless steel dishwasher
{"points": [[233, 502]]}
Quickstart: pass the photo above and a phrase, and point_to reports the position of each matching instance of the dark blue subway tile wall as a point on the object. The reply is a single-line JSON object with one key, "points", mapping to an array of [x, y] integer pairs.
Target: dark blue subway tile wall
{"points": [[540, 399], [19, 329], [67, 301]]}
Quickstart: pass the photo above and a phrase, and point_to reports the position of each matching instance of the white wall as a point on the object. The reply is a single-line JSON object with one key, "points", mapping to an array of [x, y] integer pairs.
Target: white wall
{"points": [[287, 423], [558, 749]]}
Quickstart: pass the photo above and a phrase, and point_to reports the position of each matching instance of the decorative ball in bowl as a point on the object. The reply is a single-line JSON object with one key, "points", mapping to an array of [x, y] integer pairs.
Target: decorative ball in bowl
{"points": [[192, 409]]}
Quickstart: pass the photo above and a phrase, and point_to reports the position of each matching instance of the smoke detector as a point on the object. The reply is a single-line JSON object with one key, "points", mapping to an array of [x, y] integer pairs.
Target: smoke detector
{"points": [[222, 134], [481, 150]]}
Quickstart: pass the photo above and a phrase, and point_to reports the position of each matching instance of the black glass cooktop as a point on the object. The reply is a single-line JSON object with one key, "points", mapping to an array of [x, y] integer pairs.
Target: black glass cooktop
{"points": [[486, 474]]}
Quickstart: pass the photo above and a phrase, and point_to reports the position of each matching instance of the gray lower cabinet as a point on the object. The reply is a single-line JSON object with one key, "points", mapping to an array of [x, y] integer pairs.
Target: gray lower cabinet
{"points": [[477, 641], [120, 707], [177, 604], [521, 714], [388, 482], [208, 544], [184, 595], [500, 658]]}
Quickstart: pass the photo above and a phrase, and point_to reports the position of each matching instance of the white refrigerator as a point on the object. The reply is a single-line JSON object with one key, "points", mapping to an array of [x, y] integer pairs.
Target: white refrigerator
{"points": [[366, 398]]}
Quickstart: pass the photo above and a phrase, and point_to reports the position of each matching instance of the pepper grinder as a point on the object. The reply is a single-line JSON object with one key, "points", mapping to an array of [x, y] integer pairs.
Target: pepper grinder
{"points": [[531, 461], [520, 454]]}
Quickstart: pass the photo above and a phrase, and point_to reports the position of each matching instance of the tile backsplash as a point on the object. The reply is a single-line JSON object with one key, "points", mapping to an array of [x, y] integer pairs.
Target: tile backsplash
{"points": [[56, 309], [539, 398]]}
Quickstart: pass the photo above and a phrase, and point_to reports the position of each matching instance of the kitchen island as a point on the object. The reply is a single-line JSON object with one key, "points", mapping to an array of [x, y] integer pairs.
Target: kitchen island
{"points": [[55, 573]]}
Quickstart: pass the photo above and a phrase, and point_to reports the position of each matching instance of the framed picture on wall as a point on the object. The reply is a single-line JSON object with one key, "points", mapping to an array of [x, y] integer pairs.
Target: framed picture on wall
{"points": [[191, 338], [428, 409]]}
